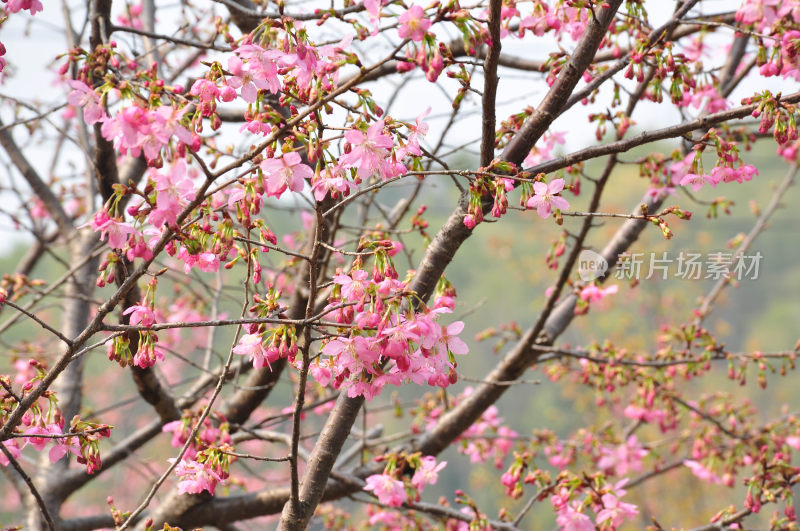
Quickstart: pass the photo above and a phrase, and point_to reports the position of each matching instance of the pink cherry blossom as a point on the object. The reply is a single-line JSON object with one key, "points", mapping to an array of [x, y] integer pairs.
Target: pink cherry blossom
{"points": [[196, 477], [389, 491], [353, 285], [470, 221], [625, 458], [593, 293], [369, 152], [252, 345], [165, 121], [570, 518], [13, 448], [545, 199], [135, 130], [419, 130], [286, 171], [249, 80], [180, 434], [427, 473], [83, 96], [207, 93], [702, 472], [616, 511], [759, 12], [140, 315], [147, 355], [302, 64], [374, 9], [696, 181], [125, 127], [61, 446], [175, 190], [207, 262], [116, 230], [413, 24], [450, 338], [332, 180], [540, 22], [25, 370], [262, 69], [320, 370], [39, 443], [15, 6], [714, 102]]}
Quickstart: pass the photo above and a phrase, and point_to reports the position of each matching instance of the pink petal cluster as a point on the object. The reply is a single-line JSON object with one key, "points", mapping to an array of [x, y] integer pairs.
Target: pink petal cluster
{"points": [[15, 6], [136, 130], [702, 472], [147, 355], [196, 477], [287, 171], [207, 435], [82, 96], [399, 347], [140, 315], [204, 261], [117, 230], [413, 24], [593, 293], [545, 198], [332, 181], [762, 13], [252, 345], [427, 473], [370, 152], [622, 459], [570, 518], [389, 490], [132, 17], [500, 438], [615, 511], [175, 190], [686, 173], [258, 71], [540, 21], [544, 149]]}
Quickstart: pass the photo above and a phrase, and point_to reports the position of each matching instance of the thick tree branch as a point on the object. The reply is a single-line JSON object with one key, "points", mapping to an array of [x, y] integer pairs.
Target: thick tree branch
{"points": [[34, 492], [39, 187], [490, 84]]}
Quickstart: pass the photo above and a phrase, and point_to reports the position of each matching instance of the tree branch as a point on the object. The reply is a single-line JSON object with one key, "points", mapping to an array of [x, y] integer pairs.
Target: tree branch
{"points": [[39, 187], [490, 84]]}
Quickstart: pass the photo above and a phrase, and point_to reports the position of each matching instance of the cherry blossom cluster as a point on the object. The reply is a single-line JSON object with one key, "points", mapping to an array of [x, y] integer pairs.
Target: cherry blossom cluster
{"points": [[383, 341], [729, 167], [394, 492], [205, 471], [610, 511], [207, 459], [488, 438], [765, 14], [43, 424]]}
